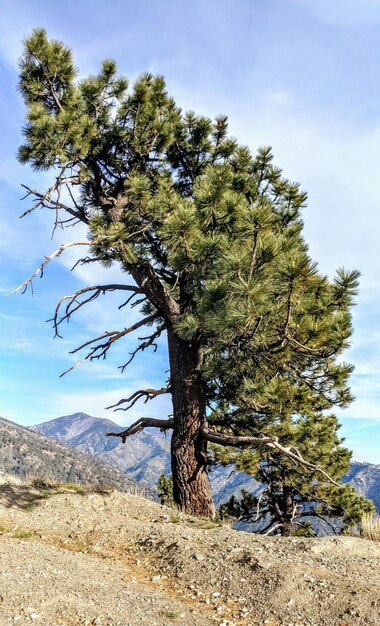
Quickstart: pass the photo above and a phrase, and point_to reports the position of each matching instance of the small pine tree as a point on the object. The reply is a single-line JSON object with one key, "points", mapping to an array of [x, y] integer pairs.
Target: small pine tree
{"points": [[165, 489], [292, 500]]}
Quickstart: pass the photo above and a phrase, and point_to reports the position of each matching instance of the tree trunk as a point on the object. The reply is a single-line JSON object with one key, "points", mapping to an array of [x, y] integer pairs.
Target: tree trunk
{"points": [[287, 523], [191, 485]]}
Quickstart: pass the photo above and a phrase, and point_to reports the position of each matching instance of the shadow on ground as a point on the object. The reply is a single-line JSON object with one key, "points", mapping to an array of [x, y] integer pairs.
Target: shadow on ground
{"points": [[26, 496], [21, 496]]}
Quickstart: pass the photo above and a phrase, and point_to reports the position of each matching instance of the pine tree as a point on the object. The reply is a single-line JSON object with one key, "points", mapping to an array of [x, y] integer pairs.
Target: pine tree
{"points": [[165, 489], [292, 501], [211, 237]]}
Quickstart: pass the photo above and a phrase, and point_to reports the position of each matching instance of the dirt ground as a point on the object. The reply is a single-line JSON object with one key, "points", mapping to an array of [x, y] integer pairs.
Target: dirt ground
{"points": [[112, 559]]}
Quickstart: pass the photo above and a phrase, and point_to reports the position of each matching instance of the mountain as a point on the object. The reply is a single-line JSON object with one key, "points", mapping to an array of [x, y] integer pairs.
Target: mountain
{"points": [[145, 455], [142, 457], [29, 454], [365, 477]]}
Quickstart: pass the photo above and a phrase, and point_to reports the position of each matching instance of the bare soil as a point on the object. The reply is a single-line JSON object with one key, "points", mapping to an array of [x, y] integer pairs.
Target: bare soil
{"points": [[113, 559]]}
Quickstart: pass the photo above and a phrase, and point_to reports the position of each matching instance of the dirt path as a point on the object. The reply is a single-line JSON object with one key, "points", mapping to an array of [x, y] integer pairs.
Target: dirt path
{"points": [[118, 560]]}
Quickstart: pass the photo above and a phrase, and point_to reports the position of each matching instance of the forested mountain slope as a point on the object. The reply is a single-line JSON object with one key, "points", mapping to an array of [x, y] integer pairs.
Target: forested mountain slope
{"points": [[29, 454]]}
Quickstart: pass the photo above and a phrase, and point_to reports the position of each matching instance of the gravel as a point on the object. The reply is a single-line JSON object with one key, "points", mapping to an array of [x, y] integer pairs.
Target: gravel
{"points": [[120, 560]]}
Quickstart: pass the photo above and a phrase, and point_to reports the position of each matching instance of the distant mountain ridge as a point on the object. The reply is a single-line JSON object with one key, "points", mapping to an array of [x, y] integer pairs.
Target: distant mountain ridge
{"points": [[27, 454], [145, 455], [365, 477]]}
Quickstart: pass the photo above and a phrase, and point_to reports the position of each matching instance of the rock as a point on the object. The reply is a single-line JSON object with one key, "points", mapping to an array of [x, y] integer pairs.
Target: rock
{"points": [[155, 579], [264, 564], [309, 578]]}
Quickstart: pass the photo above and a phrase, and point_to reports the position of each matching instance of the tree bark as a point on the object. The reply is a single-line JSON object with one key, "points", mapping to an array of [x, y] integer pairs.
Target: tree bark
{"points": [[287, 507], [191, 485]]}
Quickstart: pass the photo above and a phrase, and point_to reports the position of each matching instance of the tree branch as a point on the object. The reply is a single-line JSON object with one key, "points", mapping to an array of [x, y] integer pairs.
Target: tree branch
{"points": [[101, 349], [40, 269], [272, 528], [149, 394], [263, 441], [321, 517], [44, 199], [148, 281], [150, 341], [143, 422], [96, 290]]}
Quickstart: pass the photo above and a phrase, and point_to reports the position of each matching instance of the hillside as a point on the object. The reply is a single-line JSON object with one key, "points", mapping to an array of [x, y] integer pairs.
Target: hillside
{"points": [[29, 454], [365, 477], [121, 560], [144, 456]]}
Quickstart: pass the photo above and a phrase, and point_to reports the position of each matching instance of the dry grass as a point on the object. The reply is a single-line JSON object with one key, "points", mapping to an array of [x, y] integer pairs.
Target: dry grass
{"points": [[370, 526]]}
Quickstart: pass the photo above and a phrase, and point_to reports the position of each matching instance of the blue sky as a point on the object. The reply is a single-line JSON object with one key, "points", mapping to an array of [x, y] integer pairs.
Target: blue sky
{"points": [[300, 76]]}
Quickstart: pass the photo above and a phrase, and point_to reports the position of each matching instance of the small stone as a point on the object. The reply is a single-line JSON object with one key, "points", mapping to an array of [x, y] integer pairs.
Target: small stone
{"points": [[34, 616], [216, 594], [308, 578], [264, 564], [198, 556], [156, 579]]}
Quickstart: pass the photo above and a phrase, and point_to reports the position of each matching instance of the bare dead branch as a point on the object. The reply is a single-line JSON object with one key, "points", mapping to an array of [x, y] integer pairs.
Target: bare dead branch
{"points": [[74, 304], [45, 200], [272, 528], [148, 394], [143, 422], [84, 261], [40, 270], [149, 341], [100, 351], [138, 302], [128, 300], [263, 441]]}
